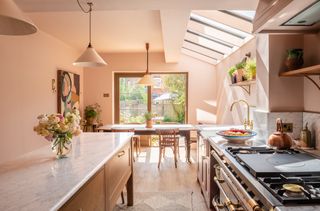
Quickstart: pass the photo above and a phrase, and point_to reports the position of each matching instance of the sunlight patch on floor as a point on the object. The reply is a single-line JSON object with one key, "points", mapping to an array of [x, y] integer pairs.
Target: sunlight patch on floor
{"points": [[153, 155]]}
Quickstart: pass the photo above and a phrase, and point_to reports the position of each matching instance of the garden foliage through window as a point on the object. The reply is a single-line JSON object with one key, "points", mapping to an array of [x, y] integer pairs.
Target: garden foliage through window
{"points": [[167, 99]]}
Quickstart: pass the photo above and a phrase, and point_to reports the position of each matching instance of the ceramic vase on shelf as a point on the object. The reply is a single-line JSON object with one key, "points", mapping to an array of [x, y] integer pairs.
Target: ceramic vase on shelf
{"points": [[294, 59], [61, 145]]}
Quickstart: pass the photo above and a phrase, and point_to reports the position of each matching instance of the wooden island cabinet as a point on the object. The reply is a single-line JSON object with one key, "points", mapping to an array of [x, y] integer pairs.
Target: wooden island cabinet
{"points": [[102, 191]]}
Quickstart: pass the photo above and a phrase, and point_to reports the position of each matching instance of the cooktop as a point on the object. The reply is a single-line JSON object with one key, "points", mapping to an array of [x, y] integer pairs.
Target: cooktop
{"points": [[275, 164]]}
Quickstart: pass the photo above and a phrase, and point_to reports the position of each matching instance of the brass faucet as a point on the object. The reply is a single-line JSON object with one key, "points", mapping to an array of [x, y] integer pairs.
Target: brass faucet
{"points": [[247, 122]]}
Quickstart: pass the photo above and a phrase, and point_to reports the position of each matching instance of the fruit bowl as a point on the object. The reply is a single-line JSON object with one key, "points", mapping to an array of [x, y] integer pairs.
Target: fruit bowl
{"points": [[236, 135]]}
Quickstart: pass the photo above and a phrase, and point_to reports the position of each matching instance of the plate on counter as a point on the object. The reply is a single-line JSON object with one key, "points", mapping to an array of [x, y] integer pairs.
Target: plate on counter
{"points": [[237, 135]]}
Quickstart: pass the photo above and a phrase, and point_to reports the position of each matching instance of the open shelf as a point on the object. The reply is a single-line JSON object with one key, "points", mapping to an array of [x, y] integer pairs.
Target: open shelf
{"points": [[304, 72], [245, 85], [312, 70]]}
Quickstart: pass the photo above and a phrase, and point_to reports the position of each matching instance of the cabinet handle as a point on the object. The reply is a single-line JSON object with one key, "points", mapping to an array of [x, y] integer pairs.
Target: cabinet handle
{"points": [[122, 153]]}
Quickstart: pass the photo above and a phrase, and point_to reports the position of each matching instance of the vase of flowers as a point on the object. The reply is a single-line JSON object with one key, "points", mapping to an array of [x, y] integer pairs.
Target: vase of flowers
{"points": [[59, 130]]}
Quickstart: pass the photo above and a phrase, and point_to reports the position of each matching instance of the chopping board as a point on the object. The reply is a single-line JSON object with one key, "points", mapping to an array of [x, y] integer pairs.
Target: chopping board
{"points": [[275, 164]]}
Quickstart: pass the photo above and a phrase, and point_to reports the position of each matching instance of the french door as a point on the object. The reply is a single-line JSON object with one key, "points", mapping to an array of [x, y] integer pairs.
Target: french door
{"points": [[167, 99]]}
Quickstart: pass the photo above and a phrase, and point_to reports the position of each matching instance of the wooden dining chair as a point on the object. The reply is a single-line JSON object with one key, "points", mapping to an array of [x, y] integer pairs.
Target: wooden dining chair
{"points": [[168, 138]]}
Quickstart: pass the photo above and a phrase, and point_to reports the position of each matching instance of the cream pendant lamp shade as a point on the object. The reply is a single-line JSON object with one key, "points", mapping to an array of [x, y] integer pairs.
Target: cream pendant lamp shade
{"points": [[146, 80], [90, 57], [12, 20]]}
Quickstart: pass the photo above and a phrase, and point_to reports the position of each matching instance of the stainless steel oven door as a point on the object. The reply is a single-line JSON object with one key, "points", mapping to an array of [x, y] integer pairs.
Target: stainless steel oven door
{"points": [[226, 200], [237, 190]]}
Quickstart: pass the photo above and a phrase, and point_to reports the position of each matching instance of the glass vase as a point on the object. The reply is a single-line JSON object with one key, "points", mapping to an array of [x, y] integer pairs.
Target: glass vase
{"points": [[61, 146]]}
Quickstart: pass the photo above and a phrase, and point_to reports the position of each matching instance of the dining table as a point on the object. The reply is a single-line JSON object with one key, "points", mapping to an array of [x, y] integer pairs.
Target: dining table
{"points": [[141, 129]]}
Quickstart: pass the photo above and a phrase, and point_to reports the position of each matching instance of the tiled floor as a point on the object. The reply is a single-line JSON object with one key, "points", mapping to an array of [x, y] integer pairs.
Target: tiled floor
{"points": [[167, 188]]}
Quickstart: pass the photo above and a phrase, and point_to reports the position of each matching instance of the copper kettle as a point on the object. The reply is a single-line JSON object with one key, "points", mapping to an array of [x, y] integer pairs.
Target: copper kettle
{"points": [[279, 139]]}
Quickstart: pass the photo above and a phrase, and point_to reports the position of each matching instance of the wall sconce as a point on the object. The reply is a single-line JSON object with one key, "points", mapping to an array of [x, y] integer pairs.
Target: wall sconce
{"points": [[53, 86]]}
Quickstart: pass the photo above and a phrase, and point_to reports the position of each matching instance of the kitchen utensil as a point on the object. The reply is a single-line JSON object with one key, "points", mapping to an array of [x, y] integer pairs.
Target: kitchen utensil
{"points": [[279, 139]]}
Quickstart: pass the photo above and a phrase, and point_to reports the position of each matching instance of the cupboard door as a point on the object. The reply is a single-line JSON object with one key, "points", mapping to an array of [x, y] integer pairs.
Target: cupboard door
{"points": [[117, 171], [91, 197], [200, 155]]}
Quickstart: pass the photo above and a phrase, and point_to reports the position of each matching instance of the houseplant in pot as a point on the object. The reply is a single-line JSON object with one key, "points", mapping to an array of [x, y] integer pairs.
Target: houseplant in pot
{"points": [[92, 113], [148, 116], [250, 69], [240, 71], [231, 72], [294, 59]]}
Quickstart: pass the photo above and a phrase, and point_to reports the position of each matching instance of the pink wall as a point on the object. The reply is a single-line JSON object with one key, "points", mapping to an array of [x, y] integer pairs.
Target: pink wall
{"points": [[202, 78], [226, 94], [28, 63], [285, 94], [311, 57]]}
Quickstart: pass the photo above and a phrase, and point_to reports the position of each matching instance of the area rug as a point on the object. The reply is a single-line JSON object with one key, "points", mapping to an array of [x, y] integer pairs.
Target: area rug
{"points": [[160, 201]]}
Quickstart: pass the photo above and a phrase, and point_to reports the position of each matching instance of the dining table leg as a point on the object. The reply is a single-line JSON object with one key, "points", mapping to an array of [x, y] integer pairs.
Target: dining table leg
{"points": [[187, 143]]}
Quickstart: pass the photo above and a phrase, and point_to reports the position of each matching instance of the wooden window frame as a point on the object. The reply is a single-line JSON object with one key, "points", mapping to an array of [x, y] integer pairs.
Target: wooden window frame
{"points": [[117, 77]]}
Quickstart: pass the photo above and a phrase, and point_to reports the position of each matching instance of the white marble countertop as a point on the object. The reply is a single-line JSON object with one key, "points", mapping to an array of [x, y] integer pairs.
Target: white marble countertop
{"points": [[38, 181]]}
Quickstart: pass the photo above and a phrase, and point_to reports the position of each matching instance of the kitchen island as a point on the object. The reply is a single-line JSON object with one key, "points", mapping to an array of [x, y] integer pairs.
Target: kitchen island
{"points": [[234, 185], [91, 178]]}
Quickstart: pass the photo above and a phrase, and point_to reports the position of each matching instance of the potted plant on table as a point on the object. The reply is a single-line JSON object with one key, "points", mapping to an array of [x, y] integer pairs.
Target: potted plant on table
{"points": [[92, 113], [148, 117], [294, 59]]}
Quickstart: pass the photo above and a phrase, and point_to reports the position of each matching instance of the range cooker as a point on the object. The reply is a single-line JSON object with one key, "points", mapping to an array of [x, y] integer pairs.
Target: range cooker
{"points": [[257, 178]]}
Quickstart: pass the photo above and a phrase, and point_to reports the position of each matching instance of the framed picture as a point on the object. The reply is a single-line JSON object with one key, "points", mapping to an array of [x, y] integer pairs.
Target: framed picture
{"points": [[68, 91]]}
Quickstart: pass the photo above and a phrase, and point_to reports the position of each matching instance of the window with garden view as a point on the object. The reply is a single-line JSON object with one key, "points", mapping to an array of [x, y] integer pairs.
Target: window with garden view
{"points": [[166, 99]]}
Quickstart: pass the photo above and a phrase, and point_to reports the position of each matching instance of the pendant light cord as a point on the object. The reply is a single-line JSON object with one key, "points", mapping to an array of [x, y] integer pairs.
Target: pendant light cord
{"points": [[90, 4], [147, 48]]}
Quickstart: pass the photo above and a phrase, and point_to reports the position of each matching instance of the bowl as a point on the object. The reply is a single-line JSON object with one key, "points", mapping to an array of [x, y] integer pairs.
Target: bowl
{"points": [[237, 138]]}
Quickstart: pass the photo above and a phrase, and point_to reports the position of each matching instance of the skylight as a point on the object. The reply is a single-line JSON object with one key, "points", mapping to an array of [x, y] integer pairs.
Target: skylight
{"points": [[245, 14], [219, 26], [211, 38]]}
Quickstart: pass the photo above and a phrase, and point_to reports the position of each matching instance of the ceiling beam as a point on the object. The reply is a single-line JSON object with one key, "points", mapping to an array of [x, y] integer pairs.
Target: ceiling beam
{"points": [[71, 5], [174, 26]]}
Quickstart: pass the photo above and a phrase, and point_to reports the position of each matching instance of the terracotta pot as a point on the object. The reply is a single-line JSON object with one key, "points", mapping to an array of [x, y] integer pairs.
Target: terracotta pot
{"points": [[240, 74], [279, 139], [294, 63], [149, 124]]}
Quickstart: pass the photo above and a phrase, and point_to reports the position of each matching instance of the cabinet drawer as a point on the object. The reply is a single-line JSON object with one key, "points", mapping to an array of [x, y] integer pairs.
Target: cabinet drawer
{"points": [[91, 197], [117, 171]]}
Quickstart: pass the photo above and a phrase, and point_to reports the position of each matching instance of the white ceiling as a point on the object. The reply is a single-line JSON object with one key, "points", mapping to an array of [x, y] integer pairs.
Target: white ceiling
{"points": [[124, 25]]}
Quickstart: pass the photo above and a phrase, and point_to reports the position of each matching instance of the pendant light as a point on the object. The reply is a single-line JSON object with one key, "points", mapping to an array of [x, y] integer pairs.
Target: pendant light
{"points": [[146, 80], [13, 21], [90, 57]]}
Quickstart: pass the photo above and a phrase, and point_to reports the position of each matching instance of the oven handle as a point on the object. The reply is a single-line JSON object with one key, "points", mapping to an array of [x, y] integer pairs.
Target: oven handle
{"points": [[252, 203], [218, 206], [228, 203]]}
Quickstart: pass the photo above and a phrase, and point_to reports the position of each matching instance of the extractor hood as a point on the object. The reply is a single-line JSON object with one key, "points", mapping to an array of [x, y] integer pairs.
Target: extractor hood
{"points": [[287, 16]]}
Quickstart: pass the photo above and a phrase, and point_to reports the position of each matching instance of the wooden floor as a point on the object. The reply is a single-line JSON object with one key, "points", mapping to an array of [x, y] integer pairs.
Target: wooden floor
{"points": [[148, 178]]}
